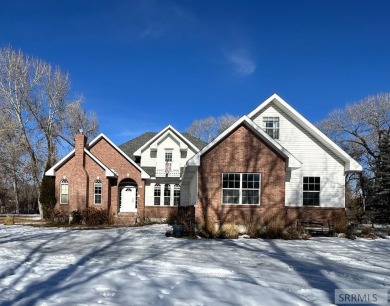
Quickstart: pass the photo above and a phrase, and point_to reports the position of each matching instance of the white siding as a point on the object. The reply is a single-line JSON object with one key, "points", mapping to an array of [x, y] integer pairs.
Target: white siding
{"points": [[154, 156], [316, 161], [184, 195], [193, 190], [150, 157], [149, 194]]}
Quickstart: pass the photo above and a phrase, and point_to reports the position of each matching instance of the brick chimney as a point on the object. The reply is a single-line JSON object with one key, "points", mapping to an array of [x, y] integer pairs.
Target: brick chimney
{"points": [[80, 142], [78, 192]]}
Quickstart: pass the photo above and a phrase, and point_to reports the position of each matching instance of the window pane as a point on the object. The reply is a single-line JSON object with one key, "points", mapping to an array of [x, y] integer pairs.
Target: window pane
{"points": [[250, 197], [271, 126], [230, 196], [64, 198], [311, 198], [167, 194], [157, 194], [240, 188], [97, 186], [168, 156], [64, 192]]}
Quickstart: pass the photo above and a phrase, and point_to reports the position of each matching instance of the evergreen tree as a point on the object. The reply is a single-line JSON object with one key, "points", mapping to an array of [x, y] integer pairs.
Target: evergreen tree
{"points": [[382, 173], [47, 195]]}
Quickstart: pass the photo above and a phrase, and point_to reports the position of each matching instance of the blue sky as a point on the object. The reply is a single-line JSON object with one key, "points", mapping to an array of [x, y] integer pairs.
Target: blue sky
{"points": [[142, 65]]}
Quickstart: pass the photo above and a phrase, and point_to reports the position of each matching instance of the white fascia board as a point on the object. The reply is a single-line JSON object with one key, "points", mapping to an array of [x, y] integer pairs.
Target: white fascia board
{"points": [[350, 164], [353, 166], [109, 173], [292, 162], [52, 170], [144, 175], [175, 133]]}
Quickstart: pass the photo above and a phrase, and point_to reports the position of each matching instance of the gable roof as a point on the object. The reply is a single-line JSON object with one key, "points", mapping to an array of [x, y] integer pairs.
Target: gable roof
{"points": [[134, 144], [199, 143], [168, 129], [109, 172], [291, 161], [51, 171], [350, 163]]}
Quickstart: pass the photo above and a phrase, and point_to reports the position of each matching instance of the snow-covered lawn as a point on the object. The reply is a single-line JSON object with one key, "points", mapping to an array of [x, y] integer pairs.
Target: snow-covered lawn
{"points": [[140, 266]]}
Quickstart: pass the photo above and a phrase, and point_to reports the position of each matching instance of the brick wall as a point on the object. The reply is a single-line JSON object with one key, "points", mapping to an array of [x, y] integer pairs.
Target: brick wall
{"points": [[81, 172], [159, 212], [240, 151], [123, 168], [313, 213]]}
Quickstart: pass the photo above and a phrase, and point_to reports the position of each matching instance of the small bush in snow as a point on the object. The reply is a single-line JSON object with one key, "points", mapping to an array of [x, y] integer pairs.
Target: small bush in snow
{"points": [[94, 216], [58, 217], [184, 218], [340, 225], [77, 217], [229, 231], [9, 220]]}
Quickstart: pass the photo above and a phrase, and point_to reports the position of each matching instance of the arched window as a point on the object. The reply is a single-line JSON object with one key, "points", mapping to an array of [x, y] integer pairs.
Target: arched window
{"points": [[157, 194], [97, 187], [64, 192], [176, 195], [167, 194]]}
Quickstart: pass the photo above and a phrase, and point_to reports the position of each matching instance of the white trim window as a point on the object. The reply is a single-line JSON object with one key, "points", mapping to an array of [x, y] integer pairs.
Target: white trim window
{"points": [[168, 156], [64, 192], [97, 192], [157, 194], [167, 195], [271, 126], [176, 195], [311, 190], [241, 188]]}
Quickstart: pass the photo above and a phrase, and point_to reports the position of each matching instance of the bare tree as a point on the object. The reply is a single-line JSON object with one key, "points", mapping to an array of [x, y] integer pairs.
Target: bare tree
{"points": [[363, 130], [76, 118], [209, 128], [34, 96]]}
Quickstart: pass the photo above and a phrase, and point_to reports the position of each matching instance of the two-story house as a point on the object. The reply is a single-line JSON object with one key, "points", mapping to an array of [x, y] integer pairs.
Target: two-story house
{"points": [[141, 178], [272, 161], [163, 156]]}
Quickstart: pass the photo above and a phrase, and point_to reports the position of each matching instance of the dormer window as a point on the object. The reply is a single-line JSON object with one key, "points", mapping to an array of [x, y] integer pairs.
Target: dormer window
{"points": [[271, 126], [168, 156]]}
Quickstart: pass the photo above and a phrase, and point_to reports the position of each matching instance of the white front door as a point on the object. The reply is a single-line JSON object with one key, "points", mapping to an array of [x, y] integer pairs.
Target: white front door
{"points": [[128, 199]]}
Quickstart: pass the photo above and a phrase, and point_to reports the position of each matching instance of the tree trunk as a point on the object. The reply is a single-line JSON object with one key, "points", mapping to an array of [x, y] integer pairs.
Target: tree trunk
{"points": [[15, 188]]}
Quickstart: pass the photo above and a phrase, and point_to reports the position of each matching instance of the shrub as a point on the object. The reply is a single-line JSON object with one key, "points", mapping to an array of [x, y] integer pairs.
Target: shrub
{"points": [[252, 228], [207, 230], [368, 232], [340, 224], [77, 217], [94, 216], [182, 217], [295, 232], [229, 231], [274, 226], [58, 217], [9, 220], [142, 221]]}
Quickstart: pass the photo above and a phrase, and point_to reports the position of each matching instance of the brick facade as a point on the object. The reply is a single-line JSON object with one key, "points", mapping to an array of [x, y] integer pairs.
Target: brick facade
{"points": [[240, 151], [81, 171], [293, 214], [123, 168]]}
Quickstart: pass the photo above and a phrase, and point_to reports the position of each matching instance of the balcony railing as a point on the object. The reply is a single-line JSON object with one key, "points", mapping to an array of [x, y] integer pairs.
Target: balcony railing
{"points": [[167, 169]]}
